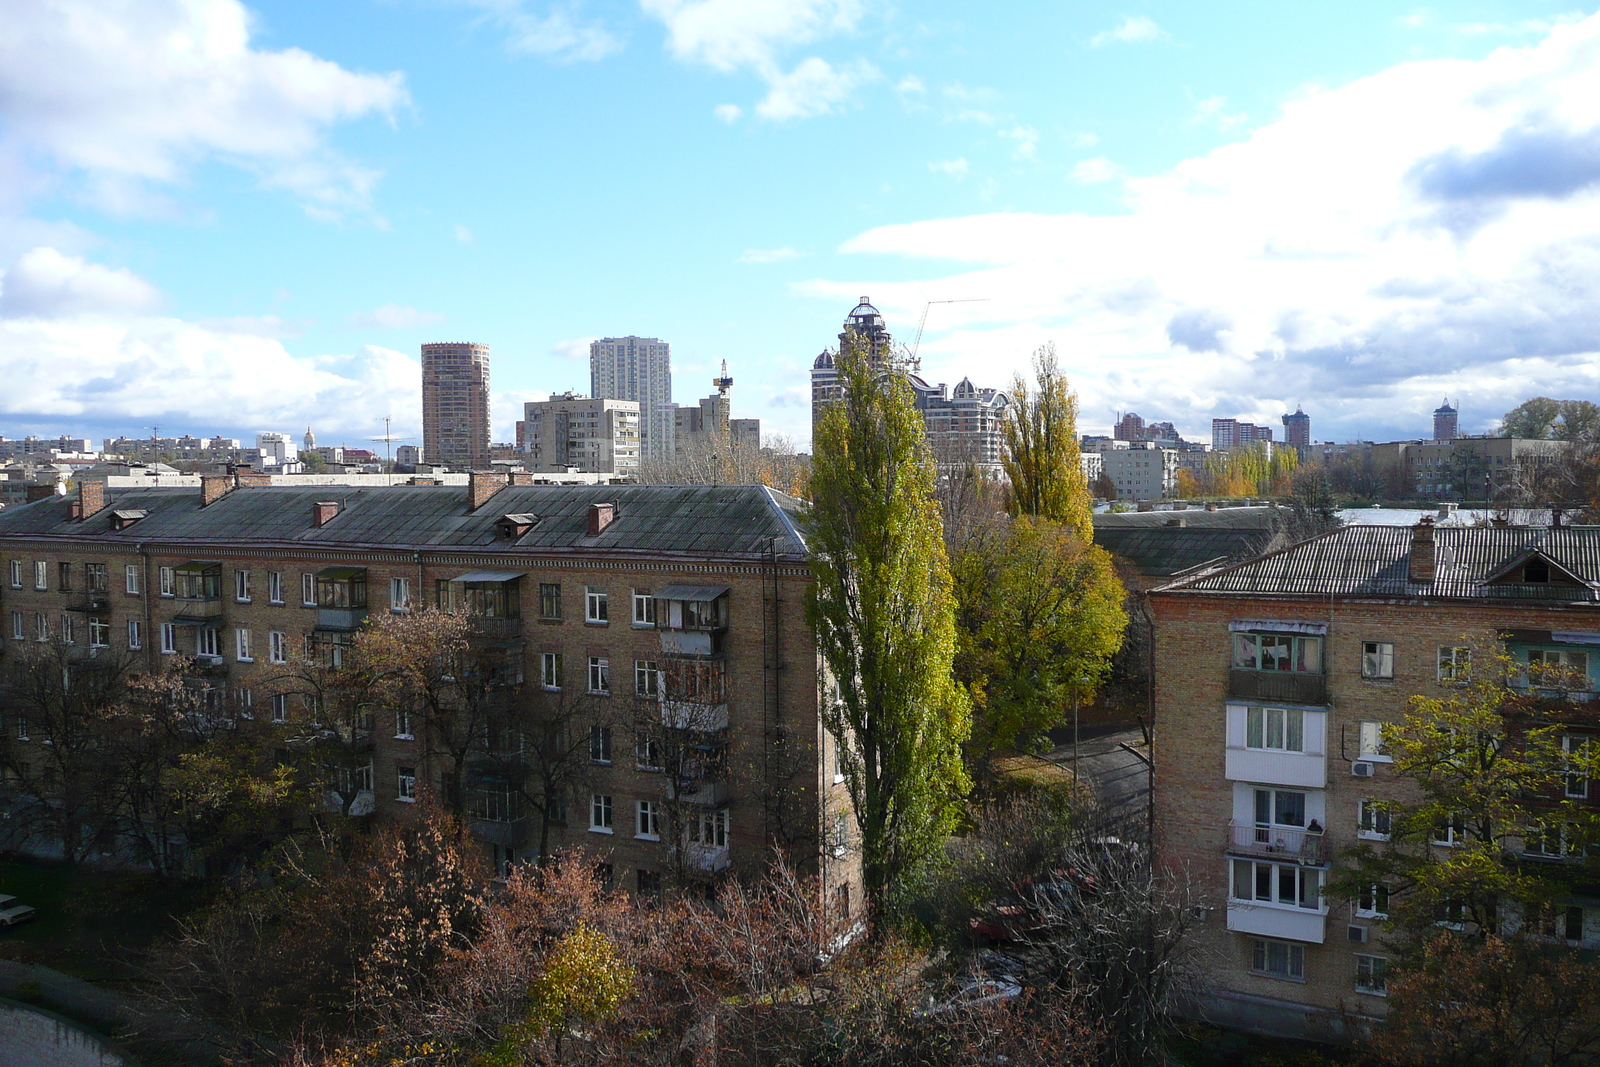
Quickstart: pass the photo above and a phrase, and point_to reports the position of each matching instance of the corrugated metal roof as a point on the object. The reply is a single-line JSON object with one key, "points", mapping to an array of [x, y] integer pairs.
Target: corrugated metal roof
{"points": [[1258, 517], [697, 519], [1375, 561], [1164, 551], [703, 594]]}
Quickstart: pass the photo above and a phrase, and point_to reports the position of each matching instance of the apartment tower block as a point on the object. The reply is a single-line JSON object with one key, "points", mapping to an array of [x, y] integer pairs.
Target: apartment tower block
{"points": [[455, 404], [640, 369]]}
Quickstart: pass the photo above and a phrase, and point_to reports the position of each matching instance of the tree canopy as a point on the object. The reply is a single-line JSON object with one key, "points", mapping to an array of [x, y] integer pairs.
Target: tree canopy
{"points": [[1041, 448]]}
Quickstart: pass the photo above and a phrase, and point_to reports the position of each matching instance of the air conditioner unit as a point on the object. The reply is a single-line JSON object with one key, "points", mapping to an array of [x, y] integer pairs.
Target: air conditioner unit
{"points": [[1358, 934], [1361, 769]]}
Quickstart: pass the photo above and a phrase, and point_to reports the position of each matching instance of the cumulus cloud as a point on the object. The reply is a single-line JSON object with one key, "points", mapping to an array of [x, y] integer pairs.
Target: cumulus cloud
{"points": [[957, 168], [395, 317], [1026, 138], [729, 113], [740, 35], [506, 410], [1098, 169], [45, 284], [1132, 30], [119, 98], [1433, 228], [768, 255], [1214, 109], [558, 33]]}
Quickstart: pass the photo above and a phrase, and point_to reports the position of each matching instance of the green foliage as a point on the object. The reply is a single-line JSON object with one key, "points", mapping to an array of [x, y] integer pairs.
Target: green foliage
{"points": [[884, 617], [1248, 471], [1040, 616], [1543, 417], [1041, 455], [584, 981]]}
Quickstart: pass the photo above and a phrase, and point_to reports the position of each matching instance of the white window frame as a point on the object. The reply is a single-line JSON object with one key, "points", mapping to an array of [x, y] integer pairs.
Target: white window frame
{"points": [[280, 707], [600, 814], [1369, 743], [402, 725], [207, 641], [99, 632], [241, 586], [647, 820], [1454, 831], [275, 587], [600, 745], [16, 574], [646, 678], [1369, 814], [1372, 902], [241, 645], [1575, 786], [596, 606], [647, 752], [550, 671], [1307, 882], [277, 646], [1455, 664], [41, 627], [19, 627], [1377, 660], [405, 784], [644, 609], [169, 638], [130, 579], [1294, 956], [712, 828], [135, 634], [599, 676], [1259, 723], [399, 594], [168, 579], [67, 636], [1368, 968], [308, 590], [41, 575]]}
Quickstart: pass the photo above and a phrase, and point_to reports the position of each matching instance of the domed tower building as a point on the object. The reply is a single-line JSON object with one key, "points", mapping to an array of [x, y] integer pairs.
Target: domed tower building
{"points": [[864, 331]]}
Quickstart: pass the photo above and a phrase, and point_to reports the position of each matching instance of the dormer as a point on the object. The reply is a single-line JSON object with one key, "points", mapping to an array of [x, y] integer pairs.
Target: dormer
{"points": [[1533, 567], [123, 518], [515, 525]]}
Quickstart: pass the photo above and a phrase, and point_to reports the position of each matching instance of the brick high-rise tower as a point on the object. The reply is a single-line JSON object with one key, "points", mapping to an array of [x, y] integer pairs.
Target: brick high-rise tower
{"points": [[455, 404]]}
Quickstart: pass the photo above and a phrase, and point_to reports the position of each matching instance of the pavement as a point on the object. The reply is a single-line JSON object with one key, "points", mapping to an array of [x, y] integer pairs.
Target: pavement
{"points": [[1113, 758]]}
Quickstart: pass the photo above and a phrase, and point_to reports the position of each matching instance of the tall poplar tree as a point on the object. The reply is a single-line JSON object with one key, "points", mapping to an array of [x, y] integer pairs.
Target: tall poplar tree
{"points": [[1042, 456], [884, 617]]}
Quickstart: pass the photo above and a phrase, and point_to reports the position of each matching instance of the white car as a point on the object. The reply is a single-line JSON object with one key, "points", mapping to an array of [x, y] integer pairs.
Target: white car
{"points": [[12, 913]]}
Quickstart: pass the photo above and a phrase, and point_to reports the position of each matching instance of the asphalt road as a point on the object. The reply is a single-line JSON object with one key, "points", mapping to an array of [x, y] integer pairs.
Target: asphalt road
{"points": [[1120, 776]]}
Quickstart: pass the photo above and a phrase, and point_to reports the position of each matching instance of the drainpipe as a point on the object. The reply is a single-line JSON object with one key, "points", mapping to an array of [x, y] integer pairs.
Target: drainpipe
{"points": [[150, 635]]}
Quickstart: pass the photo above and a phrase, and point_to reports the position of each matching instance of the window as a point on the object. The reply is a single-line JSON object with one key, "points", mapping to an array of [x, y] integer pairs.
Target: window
{"points": [[275, 587], [206, 642], [1377, 659], [1277, 652], [441, 594], [169, 638], [308, 590], [711, 829], [277, 647], [64, 577], [399, 594], [1279, 959], [600, 744], [1372, 975], [1373, 902], [841, 836], [555, 808], [67, 636], [649, 820], [280, 707], [95, 576], [169, 582], [649, 883], [99, 632], [1559, 668], [241, 645], [135, 634], [19, 629], [1454, 663], [130, 579], [1372, 746], [241, 586], [1551, 840], [41, 626], [646, 678], [1373, 821], [1572, 923], [16, 574], [594, 605], [1279, 729], [599, 675], [1280, 807], [22, 727], [1450, 831], [644, 608], [405, 784], [600, 813], [550, 670], [549, 600], [647, 752], [1575, 782], [41, 575], [1274, 883], [402, 725]]}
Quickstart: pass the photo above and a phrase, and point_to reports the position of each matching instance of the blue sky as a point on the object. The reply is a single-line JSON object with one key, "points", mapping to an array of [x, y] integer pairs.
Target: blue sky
{"points": [[226, 217]]}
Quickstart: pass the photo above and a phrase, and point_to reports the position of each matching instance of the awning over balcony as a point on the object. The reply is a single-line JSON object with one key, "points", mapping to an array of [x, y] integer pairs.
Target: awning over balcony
{"points": [[199, 566], [701, 594], [1277, 626], [341, 574], [489, 576]]}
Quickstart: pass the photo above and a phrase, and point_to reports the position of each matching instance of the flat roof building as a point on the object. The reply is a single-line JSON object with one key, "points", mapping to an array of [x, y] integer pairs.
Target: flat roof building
{"points": [[455, 404]]}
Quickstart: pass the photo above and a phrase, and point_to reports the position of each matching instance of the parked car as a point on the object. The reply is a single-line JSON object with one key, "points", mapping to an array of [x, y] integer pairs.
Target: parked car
{"points": [[12, 913]]}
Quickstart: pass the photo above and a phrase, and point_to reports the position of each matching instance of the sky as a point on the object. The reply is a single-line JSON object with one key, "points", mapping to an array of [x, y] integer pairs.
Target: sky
{"points": [[226, 217]]}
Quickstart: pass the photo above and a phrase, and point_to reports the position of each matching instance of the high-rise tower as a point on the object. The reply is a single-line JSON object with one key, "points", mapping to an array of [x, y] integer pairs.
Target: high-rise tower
{"points": [[1446, 422], [1297, 430], [637, 368], [455, 404], [865, 334]]}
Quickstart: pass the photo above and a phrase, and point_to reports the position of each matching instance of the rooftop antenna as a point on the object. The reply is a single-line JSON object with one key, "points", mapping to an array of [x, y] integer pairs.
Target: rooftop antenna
{"points": [[917, 342], [387, 439]]}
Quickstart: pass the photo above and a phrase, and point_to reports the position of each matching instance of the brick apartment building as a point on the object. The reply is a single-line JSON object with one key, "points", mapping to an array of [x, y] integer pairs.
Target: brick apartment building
{"points": [[659, 606], [1272, 678]]}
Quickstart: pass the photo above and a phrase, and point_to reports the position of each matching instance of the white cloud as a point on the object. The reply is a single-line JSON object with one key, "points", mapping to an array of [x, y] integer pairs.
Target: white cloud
{"points": [[815, 87], [957, 168], [1027, 139], [729, 113], [768, 255], [576, 348], [44, 284], [1214, 109], [738, 35], [395, 317], [505, 411], [910, 84], [558, 34], [1098, 169], [1133, 29], [1431, 229], [120, 97], [463, 234]]}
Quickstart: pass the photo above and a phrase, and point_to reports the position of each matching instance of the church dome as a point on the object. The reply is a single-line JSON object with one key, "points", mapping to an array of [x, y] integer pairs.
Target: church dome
{"points": [[824, 361]]}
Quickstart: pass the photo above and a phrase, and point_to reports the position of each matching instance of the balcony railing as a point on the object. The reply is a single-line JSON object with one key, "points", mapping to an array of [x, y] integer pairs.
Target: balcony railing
{"points": [[706, 791], [685, 715], [492, 628], [1277, 843], [198, 608], [710, 858], [1292, 687], [340, 618]]}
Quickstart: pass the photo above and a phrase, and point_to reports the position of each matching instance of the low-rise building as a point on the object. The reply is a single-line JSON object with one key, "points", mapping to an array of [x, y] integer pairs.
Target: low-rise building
{"points": [[1142, 471], [1471, 468]]}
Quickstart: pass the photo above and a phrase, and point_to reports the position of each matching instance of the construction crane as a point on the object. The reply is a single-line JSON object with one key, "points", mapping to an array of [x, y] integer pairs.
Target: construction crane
{"points": [[917, 343], [724, 383]]}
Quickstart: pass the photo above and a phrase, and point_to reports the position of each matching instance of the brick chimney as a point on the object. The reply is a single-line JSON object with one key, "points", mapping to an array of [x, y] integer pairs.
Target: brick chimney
{"points": [[214, 487], [481, 485], [1424, 553], [91, 499], [323, 511], [521, 477], [246, 475], [601, 516]]}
